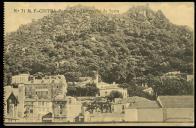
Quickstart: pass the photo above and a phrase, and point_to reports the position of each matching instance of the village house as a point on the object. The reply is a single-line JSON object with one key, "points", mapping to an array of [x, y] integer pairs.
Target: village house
{"points": [[131, 109], [44, 100], [143, 110], [34, 96], [66, 109], [177, 108], [120, 104], [36, 108], [105, 89]]}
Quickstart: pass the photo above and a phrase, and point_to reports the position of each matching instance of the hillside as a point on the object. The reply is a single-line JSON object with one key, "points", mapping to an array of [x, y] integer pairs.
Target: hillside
{"points": [[138, 43]]}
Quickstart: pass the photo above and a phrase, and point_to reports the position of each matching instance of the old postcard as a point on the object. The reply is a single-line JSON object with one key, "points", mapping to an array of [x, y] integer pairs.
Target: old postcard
{"points": [[128, 64]]}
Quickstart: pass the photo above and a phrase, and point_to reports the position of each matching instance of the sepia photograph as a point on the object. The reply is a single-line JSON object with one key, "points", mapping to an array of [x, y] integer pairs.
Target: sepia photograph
{"points": [[98, 63]]}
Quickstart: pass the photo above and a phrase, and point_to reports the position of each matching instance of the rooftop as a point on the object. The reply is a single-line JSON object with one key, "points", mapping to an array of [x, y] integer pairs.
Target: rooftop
{"points": [[103, 85], [8, 90], [140, 102], [41, 80], [36, 100], [85, 78], [176, 101], [48, 115]]}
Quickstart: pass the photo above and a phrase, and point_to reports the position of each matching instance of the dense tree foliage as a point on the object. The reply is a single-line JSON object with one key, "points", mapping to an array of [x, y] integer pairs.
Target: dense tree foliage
{"points": [[88, 90], [135, 44], [173, 87], [99, 105], [134, 90], [114, 94]]}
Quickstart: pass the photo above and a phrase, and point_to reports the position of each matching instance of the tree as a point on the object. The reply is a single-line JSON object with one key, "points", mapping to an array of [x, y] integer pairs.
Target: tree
{"points": [[115, 94], [89, 89], [123, 47], [173, 87], [71, 91]]}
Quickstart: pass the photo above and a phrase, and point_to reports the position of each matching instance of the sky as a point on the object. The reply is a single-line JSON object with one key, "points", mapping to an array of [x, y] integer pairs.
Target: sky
{"points": [[180, 13]]}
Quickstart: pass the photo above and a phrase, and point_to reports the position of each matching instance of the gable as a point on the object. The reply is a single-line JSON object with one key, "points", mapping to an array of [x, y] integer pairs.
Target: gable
{"points": [[13, 99], [176, 101]]}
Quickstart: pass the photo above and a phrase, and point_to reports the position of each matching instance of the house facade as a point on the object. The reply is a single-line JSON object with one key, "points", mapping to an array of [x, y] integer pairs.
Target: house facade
{"points": [[143, 110], [177, 108], [66, 109], [105, 89], [35, 97], [103, 117]]}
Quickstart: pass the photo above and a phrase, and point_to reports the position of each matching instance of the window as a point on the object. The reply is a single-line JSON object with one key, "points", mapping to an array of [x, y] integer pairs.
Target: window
{"points": [[61, 109], [31, 110], [123, 107]]}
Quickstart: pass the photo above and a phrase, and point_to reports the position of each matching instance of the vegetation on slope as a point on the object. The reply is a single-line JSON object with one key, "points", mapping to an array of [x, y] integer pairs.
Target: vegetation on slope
{"points": [[140, 43]]}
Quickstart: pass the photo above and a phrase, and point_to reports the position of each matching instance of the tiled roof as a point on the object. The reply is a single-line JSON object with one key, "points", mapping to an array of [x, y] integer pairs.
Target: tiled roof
{"points": [[176, 101], [131, 99], [140, 102], [144, 104], [13, 96]]}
